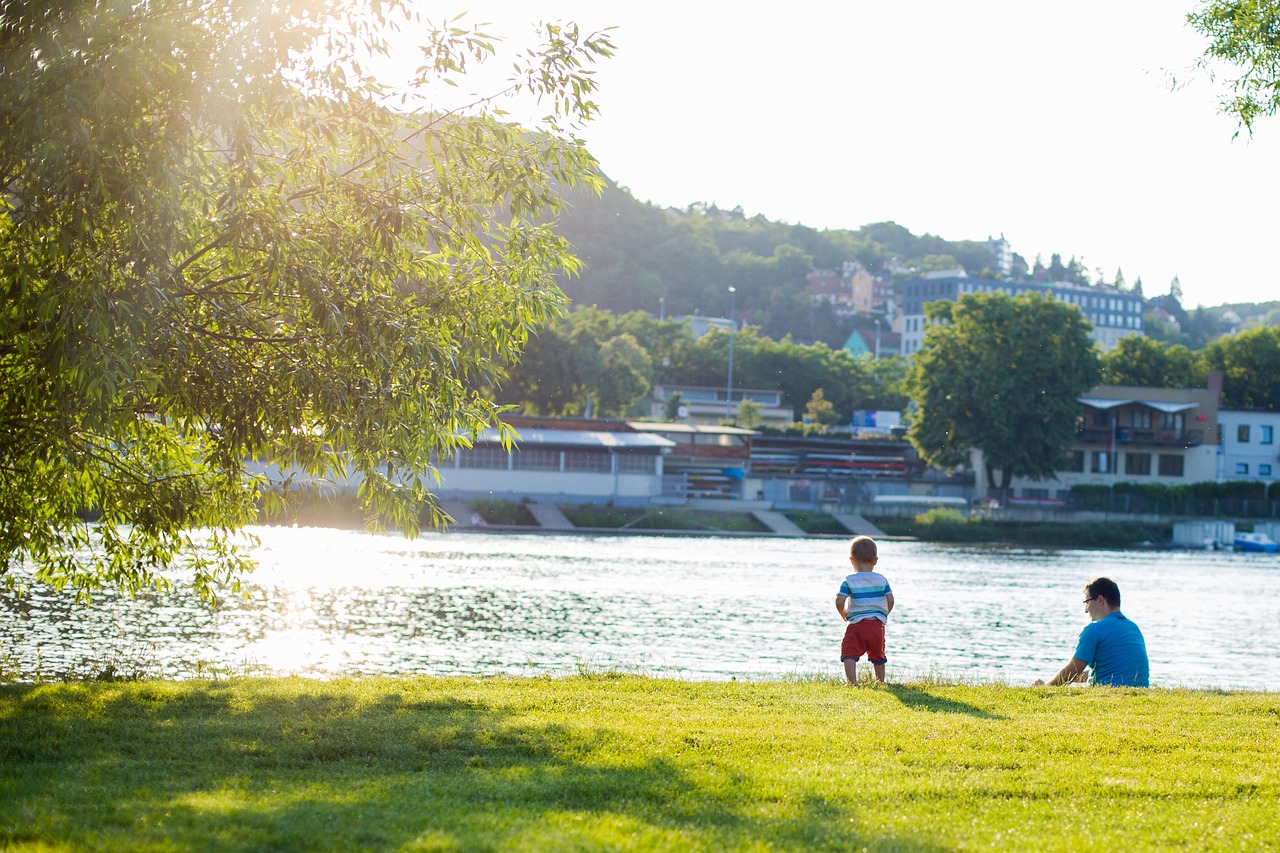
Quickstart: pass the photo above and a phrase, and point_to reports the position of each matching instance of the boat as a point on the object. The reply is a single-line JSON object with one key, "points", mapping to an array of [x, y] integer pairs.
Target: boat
{"points": [[1257, 542]]}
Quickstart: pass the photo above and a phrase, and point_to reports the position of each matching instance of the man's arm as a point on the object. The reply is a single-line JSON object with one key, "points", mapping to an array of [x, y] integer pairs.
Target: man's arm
{"points": [[1069, 673]]}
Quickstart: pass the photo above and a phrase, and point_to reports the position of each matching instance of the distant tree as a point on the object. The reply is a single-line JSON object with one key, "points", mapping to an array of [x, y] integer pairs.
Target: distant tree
{"points": [[671, 408], [1000, 374], [1143, 361], [1250, 365], [749, 413], [1175, 290], [819, 409], [1076, 272], [1056, 271], [938, 263], [626, 374], [1119, 282], [1019, 267], [1137, 285]]}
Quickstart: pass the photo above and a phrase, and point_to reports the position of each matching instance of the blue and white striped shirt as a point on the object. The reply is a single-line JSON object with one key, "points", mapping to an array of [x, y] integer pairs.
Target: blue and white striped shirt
{"points": [[868, 596]]}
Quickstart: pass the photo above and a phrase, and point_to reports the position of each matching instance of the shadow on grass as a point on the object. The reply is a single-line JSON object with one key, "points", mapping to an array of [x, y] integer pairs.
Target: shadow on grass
{"points": [[923, 700], [301, 767]]}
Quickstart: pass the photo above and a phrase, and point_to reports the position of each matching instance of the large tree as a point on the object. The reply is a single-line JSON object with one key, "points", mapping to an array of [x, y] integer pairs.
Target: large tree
{"points": [[218, 242], [1144, 361], [1250, 365], [1000, 374]]}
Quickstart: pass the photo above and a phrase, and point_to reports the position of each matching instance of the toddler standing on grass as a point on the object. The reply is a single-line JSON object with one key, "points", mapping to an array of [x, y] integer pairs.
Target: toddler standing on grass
{"points": [[864, 602]]}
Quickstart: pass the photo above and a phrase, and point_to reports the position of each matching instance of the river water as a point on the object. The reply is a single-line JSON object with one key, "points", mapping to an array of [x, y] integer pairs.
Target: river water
{"points": [[331, 602]]}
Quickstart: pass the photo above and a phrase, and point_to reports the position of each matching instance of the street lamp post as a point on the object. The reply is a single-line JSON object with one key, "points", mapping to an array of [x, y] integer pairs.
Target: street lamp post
{"points": [[728, 399]]}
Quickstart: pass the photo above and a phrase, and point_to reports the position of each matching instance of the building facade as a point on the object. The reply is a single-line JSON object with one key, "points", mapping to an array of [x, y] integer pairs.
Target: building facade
{"points": [[1140, 435], [1114, 314], [1247, 446]]}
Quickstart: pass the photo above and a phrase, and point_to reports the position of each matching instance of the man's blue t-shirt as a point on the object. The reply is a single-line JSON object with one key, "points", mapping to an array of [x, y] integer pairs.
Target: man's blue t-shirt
{"points": [[1114, 647]]}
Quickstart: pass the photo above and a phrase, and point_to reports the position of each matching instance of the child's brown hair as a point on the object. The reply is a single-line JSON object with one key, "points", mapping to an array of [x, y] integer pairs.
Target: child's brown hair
{"points": [[863, 549]]}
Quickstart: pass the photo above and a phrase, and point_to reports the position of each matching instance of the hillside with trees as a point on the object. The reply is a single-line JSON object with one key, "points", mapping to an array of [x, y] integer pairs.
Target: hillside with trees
{"points": [[669, 262], [678, 262]]}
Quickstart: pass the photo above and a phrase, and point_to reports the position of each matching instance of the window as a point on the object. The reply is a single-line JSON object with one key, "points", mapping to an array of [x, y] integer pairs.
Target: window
{"points": [[1242, 433], [1038, 494], [1140, 419], [637, 463], [1170, 465], [1264, 435], [594, 461], [1137, 463], [537, 459], [483, 457], [1074, 461], [1101, 463], [1242, 467], [1264, 470]]}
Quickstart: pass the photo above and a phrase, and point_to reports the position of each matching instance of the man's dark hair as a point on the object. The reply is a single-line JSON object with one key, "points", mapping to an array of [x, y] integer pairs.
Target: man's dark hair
{"points": [[1106, 588]]}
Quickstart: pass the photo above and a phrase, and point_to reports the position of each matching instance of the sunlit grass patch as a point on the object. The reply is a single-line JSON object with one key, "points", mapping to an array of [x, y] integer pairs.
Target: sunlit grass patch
{"points": [[611, 760]]}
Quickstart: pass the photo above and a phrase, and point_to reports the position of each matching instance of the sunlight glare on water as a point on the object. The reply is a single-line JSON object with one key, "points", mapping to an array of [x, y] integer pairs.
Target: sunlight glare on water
{"points": [[331, 602]]}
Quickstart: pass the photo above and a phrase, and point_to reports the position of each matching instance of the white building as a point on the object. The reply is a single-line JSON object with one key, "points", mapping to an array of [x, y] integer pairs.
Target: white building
{"points": [[1247, 448]]}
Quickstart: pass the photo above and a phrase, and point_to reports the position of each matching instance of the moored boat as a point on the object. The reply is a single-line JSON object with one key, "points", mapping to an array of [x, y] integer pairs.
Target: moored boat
{"points": [[1259, 542]]}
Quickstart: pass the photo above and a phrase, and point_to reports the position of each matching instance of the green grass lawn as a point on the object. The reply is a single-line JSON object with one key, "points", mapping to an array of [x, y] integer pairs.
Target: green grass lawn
{"points": [[632, 763]]}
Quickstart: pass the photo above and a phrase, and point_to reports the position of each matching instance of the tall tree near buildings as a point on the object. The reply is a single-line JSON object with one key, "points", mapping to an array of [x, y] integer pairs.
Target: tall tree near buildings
{"points": [[217, 246], [626, 375], [1000, 374], [1145, 362], [819, 411], [749, 413], [1250, 365]]}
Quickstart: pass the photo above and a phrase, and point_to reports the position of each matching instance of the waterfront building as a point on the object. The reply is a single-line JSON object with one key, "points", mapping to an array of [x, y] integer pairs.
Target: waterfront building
{"points": [[1247, 445], [1132, 434]]}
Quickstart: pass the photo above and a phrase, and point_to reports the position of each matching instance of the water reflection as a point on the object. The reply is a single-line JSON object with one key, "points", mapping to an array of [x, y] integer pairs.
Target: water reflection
{"points": [[328, 602]]}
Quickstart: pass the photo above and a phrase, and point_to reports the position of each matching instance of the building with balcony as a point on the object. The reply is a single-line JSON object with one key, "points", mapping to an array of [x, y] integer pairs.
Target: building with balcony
{"points": [[1140, 435]]}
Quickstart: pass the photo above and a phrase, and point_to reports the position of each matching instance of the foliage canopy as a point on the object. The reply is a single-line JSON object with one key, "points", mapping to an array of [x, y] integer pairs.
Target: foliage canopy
{"points": [[218, 242], [1000, 374], [1245, 34]]}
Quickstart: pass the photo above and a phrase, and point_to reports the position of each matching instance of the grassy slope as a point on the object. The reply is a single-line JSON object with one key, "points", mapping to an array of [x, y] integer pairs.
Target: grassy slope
{"points": [[633, 763]]}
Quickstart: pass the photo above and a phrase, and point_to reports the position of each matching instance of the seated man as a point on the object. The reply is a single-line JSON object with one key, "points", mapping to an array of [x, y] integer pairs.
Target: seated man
{"points": [[1110, 644]]}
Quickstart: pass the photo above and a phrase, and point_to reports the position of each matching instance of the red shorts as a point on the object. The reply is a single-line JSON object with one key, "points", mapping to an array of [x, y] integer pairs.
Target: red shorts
{"points": [[864, 637]]}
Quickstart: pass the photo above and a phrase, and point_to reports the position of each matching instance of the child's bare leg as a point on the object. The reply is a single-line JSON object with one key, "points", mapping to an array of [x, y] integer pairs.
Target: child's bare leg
{"points": [[851, 670], [879, 667]]}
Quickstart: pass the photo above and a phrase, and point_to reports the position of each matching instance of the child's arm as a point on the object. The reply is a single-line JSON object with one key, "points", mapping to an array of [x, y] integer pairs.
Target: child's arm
{"points": [[840, 602], [889, 608]]}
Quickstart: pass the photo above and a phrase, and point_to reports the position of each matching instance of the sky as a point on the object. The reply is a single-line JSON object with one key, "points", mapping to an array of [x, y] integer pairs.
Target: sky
{"points": [[1082, 128]]}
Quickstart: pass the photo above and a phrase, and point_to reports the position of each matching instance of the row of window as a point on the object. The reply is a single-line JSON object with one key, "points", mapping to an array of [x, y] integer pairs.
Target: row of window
{"points": [[571, 461], [1264, 469], [1135, 464], [1265, 434]]}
